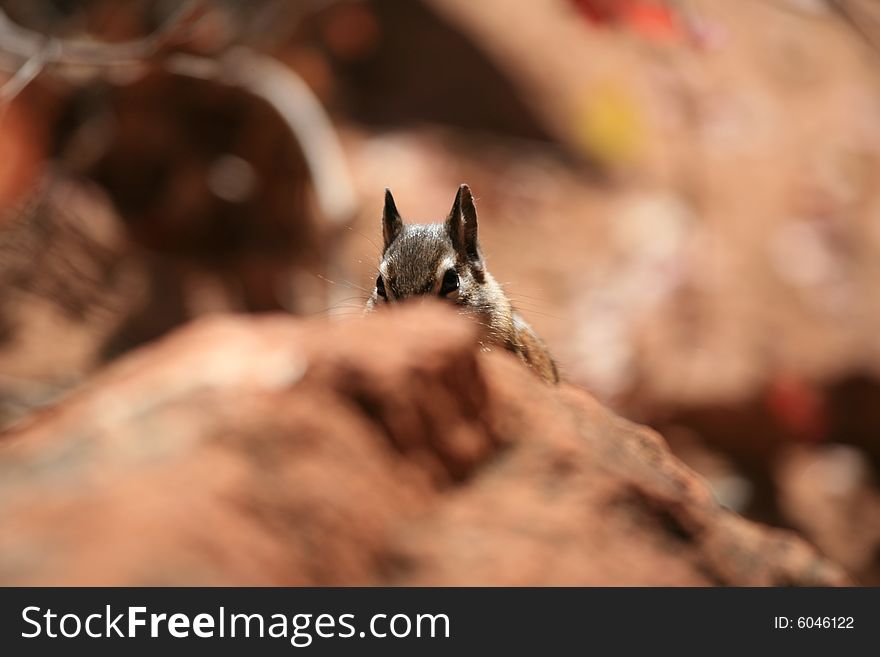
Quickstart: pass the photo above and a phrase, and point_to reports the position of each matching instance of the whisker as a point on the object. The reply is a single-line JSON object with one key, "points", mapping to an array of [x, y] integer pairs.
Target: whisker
{"points": [[524, 296], [532, 311], [514, 297], [362, 234], [358, 287], [340, 313], [346, 306], [530, 306], [348, 299], [347, 313], [345, 283]]}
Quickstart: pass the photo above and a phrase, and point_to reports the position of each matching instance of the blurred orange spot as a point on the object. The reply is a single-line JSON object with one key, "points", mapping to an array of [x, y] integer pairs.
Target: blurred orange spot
{"points": [[351, 31], [799, 407], [21, 152], [652, 19]]}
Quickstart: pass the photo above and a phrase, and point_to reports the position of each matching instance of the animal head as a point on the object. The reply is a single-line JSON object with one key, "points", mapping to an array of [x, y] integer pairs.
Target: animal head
{"points": [[441, 260]]}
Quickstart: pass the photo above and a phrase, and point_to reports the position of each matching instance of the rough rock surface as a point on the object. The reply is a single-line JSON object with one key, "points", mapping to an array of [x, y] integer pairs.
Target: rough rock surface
{"points": [[381, 450]]}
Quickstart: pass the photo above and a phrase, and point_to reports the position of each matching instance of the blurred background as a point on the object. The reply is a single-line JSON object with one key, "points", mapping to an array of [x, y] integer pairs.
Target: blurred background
{"points": [[681, 196]]}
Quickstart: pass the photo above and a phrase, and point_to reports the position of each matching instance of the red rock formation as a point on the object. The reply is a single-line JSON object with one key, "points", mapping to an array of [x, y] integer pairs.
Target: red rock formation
{"points": [[382, 450]]}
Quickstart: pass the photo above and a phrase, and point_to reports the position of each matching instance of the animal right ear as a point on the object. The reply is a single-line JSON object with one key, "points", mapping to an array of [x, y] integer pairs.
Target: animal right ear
{"points": [[392, 224], [461, 224]]}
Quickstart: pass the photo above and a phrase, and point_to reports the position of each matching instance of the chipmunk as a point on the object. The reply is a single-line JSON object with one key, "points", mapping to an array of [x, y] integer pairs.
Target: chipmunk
{"points": [[445, 260]]}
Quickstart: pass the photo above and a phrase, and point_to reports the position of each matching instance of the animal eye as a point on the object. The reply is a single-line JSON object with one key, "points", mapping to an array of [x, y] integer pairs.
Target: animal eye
{"points": [[380, 287], [450, 282]]}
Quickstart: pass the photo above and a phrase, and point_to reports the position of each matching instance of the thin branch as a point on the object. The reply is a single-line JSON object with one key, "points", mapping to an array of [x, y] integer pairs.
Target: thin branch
{"points": [[20, 45], [305, 116], [22, 78]]}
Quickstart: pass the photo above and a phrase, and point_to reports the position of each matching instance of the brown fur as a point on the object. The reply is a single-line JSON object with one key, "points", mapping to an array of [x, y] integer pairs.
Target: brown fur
{"points": [[416, 259]]}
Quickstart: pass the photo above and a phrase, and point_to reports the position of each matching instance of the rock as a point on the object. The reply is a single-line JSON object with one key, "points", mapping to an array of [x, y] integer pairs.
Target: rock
{"points": [[381, 450], [68, 283], [828, 493], [78, 288]]}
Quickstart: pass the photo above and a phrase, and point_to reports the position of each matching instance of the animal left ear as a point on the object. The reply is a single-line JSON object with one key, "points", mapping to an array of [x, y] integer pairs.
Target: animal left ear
{"points": [[392, 224], [462, 225]]}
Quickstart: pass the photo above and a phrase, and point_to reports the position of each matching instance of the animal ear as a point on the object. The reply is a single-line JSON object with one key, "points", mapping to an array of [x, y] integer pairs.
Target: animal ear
{"points": [[392, 224], [462, 224]]}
